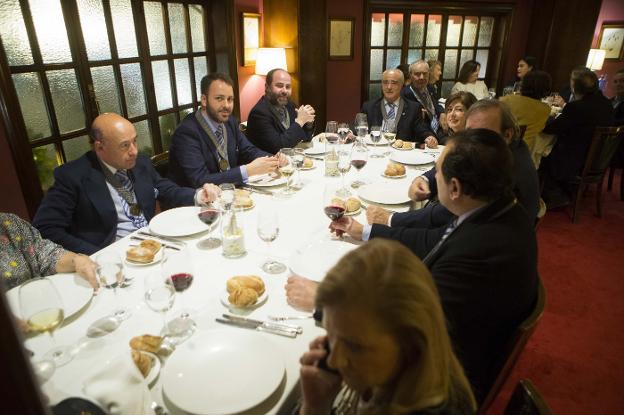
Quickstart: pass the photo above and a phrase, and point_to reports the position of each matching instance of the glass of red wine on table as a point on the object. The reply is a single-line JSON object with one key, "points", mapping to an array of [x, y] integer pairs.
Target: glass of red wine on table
{"points": [[177, 270], [359, 157], [209, 215]]}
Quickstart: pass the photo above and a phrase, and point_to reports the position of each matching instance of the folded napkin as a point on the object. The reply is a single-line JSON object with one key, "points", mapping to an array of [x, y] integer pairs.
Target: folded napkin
{"points": [[120, 388]]}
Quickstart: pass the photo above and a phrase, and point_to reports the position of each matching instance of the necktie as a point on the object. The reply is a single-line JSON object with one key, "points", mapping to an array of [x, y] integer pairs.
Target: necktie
{"points": [[124, 180], [391, 112], [219, 134]]}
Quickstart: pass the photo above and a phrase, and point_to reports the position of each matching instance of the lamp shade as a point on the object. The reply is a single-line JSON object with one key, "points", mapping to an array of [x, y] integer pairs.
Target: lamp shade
{"points": [[595, 59], [270, 58]]}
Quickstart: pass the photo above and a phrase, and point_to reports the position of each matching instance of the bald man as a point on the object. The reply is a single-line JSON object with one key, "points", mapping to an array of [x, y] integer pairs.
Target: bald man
{"points": [[109, 192]]}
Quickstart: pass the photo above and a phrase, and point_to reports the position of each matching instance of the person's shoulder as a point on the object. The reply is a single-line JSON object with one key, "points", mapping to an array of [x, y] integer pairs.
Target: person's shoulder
{"points": [[82, 163], [261, 106], [189, 122]]}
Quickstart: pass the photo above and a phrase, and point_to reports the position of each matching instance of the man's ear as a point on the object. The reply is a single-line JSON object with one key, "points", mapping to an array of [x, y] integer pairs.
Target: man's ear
{"points": [[204, 101], [508, 135], [455, 189]]}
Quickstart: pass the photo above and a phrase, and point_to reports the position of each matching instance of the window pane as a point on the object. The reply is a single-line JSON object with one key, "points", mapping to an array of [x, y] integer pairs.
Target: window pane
{"points": [[123, 23], [196, 16], [378, 27], [482, 58], [393, 58], [485, 31], [374, 91], [76, 147], [45, 161], [184, 113], [376, 64], [133, 89], [30, 95], [144, 141], [417, 30], [395, 29], [177, 28], [434, 26], [67, 100], [446, 88], [450, 64], [155, 28], [167, 127], [413, 55], [50, 27], [431, 55], [201, 70], [453, 30], [162, 84], [94, 29], [13, 34], [183, 81], [470, 31], [105, 89], [466, 55]]}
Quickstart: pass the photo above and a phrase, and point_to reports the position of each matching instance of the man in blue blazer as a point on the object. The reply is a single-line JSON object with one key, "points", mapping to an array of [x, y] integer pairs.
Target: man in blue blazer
{"points": [[209, 147], [274, 122], [108, 192]]}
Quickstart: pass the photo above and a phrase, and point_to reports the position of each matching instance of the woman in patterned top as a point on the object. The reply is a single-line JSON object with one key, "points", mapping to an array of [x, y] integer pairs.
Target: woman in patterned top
{"points": [[24, 254]]}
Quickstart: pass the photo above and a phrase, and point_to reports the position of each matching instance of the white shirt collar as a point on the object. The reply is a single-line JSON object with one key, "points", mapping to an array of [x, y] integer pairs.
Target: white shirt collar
{"points": [[109, 167]]}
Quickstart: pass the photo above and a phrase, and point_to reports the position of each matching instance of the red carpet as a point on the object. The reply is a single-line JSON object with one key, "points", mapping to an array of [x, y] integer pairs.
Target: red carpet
{"points": [[576, 356]]}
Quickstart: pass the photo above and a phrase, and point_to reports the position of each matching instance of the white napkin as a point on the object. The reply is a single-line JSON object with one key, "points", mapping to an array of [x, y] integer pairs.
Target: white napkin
{"points": [[120, 388]]}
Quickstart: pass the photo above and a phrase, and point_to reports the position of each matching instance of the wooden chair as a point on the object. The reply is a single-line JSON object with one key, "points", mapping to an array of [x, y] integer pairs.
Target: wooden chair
{"points": [[526, 400], [161, 163], [602, 148], [617, 162], [515, 346]]}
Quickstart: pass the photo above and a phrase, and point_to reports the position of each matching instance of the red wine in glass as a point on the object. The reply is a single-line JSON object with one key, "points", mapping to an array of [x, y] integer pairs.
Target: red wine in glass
{"points": [[358, 164], [208, 216], [334, 212], [181, 281]]}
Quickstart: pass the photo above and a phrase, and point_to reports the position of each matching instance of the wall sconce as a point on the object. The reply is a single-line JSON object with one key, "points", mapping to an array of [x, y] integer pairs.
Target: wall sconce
{"points": [[270, 58], [595, 59]]}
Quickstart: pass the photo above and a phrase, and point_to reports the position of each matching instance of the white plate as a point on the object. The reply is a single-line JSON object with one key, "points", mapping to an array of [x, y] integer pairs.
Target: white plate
{"points": [[155, 370], [75, 293], [261, 300], [222, 371], [313, 259], [265, 180], [405, 149], [382, 141], [385, 193], [412, 157], [394, 177], [315, 150], [182, 221]]}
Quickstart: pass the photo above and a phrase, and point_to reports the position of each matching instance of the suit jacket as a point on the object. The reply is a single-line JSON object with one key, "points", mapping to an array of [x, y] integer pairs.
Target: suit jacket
{"points": [[78, 211], [486, 275], [411, 126], [193, 158], [408, 95], [618, 112], [265, 130]]}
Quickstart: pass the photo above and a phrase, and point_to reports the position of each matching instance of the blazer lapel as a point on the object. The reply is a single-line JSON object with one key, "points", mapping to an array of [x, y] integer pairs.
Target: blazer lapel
{"points": [[96, 189], [144, 190]]}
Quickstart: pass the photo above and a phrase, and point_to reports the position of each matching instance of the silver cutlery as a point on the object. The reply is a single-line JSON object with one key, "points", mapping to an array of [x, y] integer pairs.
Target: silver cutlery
{"points": [[256, 327], [314, 157], [285, 318], [280, 326], [255, 190], [164, 238], [140, 238]]}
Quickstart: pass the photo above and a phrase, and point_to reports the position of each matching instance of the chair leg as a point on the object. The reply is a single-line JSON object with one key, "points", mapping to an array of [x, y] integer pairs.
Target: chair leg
{"points": [[582, 188], [610, 179]]}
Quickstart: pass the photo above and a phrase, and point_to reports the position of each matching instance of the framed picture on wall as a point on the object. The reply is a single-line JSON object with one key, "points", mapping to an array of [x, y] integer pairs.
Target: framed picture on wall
{"points": [[250, 26], [612, 39], [341, 38]]}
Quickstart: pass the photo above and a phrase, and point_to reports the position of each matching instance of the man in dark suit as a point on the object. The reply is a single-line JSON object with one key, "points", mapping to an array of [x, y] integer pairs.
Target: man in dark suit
{"points": [[274, 122], [208, 146], [108, 192], [404, 115], [618, 100]]}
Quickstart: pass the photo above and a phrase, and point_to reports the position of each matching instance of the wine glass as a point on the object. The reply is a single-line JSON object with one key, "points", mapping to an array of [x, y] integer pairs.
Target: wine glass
{"points": [[268, 229], [297, 160], [389, 134], [343, 132], [361, 125], [159, 295], [375, 135], [177, 269], [110, 272], [331, 131], [333, 205], [287, 169], [209, 215], [42, 307], [359, 157], [361, 119], [227, 195], [344, 165]]}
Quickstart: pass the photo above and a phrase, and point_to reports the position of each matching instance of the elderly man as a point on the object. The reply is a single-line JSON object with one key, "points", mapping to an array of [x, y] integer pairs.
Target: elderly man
{"points": [[208, 145], [435, 72], [403, 115], [109, 192], [274, 122]]}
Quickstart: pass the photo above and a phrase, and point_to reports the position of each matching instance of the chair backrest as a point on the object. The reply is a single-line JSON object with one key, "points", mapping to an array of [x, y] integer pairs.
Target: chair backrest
{"points": [[522, 129], [515, 346], [526, 400], [605, 142], [161, 163], [243, 127]]}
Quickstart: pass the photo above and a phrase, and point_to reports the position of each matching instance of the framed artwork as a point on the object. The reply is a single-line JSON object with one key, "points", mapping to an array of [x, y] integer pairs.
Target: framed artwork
{"points": [[341, 38], [250, 25], [612, 39]]}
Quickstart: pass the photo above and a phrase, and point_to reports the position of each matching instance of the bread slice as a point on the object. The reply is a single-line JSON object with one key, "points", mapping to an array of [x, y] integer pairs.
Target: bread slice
{"points": [[140, 254], [146, 343]]}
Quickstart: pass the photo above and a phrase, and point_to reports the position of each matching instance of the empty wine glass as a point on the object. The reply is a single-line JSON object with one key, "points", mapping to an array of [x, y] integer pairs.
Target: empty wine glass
{"points": [[42, 307], [110, 272], [359, 157], [159, 295], [227, 195], [361, 125], [209, 215], [297, 160], [268, 229], [343, 132], [344, 165], [287, 169], [375, 136], [492, 93], [177, 269]]}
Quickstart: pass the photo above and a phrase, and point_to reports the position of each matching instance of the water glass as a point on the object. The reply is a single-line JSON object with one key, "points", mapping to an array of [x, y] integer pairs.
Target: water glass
{"points": [[110, 272], [268, 230]]}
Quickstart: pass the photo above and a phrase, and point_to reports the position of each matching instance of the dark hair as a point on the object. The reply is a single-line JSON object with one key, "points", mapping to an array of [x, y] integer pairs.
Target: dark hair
{"points": [[210, 78], [404, 67], [95, 134], [536, 84], [467, 68], [269, 75], [466, 99], [530, 61], [481, 161], [586, 82]]}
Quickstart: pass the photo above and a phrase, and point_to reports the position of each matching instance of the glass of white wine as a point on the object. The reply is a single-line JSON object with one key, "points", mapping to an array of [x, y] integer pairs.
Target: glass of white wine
{"points": [[42, 307], [389, 134], [287, 169]]}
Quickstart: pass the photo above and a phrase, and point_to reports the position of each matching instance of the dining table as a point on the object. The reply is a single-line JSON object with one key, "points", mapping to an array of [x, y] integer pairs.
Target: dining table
{"points": [[304, 244]]}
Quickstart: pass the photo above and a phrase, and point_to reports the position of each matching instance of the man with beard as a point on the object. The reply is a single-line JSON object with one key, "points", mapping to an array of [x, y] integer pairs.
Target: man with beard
{"points": [[208, 145], [274, 122]]}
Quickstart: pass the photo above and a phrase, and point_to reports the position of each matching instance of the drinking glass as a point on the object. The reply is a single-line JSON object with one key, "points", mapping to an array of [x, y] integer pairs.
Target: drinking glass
{"points": [[344, 165], [42, 308], [268, 229], [287, 169], [492, 93], [177, 269], [331, 131], [159, 295], [508, 90], [375, 136], [110, 272], [226, 199], [359, 157], [343, 132], [361, 119], [298, 159], [209, 215], [333, 205], [389, 134]]}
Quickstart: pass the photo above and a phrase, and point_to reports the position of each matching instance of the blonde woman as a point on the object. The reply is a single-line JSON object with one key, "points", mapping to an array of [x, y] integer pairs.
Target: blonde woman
{"points": [[387, 342]]}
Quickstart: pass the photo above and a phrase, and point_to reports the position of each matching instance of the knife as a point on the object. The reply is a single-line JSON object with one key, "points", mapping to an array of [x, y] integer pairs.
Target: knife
{"points": [[253, 326], [279, 326], [256, 190], [314, 157], [139, 238], [164, 238]]}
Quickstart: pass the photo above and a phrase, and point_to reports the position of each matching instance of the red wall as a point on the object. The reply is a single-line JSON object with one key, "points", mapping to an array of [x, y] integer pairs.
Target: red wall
{"points": [[611, 10]]}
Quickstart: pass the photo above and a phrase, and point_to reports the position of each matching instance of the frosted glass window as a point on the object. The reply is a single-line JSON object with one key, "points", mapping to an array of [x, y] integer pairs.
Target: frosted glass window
{"points": [[162, 84], [123, 23], [184, 113], [450, 64], [13, 34], [453, 30], [466, 55], [155, 28], [413, 55], [196, 17], [482, 58], [167, 127], [32, 104], [144, 141], [470, 31], [46, 161], [395, 29], [446, 88], [485, 31], [133, 89], [76, 147], [376, 64], [50, 28], [94, 29], [417, 30], [183, 81], [431, 55], [393, 58], [67, 100], [434, 27], [374, 91], [106, 89], [201, 70], [378, 27], [177, 27]]}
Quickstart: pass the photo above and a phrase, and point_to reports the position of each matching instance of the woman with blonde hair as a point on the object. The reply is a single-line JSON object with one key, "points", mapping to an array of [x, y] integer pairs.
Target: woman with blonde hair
{"points": [[387, 349]]}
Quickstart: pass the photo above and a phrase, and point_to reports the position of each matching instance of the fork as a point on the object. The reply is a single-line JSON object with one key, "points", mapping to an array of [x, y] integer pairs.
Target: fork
{"points": [[284, 318]]}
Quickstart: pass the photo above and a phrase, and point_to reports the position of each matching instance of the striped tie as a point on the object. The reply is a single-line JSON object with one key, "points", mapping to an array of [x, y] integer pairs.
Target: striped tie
{"points": [[124, 180], [445, 235], [391, 112], [219, 134]]}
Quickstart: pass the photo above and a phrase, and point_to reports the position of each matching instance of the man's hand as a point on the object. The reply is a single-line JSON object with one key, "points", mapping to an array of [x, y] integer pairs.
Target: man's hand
{"points": [[347, 225], [431, 142], [419, 189], [301, 292], [85, 267], [262, 165], [209, 193], [375, 214], [559, 101], [305, 114], [281, 159]]}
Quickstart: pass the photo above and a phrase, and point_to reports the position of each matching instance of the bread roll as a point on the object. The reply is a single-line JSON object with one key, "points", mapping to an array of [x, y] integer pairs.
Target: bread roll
{"points": [[243, 297], [338, 202], [146, 343], [407, 145], [307, 163], [151, 244], [353, 204], [140, 254], [142, 361], [397, 143], [394, 169], [245, 281]]}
